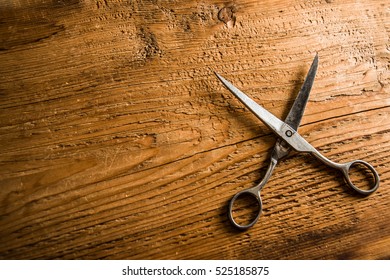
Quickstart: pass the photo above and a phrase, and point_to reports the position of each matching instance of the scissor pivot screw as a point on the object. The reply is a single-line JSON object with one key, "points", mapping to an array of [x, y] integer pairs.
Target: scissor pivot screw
{"points": [[289, 133]]}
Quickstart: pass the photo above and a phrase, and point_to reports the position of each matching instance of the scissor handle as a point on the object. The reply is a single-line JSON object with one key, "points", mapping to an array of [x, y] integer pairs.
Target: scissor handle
{"points": [[254, 192], [346, 168]]}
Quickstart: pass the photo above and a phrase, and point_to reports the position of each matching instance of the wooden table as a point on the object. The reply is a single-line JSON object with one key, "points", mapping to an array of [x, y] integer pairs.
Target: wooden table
{"points": [[118, 142]]}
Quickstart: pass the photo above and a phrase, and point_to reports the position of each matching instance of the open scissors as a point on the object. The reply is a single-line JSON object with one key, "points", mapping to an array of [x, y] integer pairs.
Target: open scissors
{"points": [[288, 138]]}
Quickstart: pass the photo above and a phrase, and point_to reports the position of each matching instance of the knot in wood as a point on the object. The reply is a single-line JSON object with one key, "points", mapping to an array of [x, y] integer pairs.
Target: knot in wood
{"points": [[226, 15]]}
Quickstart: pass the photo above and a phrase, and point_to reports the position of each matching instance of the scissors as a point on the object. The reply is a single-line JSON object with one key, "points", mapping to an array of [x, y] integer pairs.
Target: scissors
{"points": [[288, 139]]}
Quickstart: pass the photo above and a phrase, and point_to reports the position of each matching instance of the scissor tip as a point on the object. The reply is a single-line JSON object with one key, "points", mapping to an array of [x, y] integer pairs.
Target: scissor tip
{"points": [[218, 76], [315, 61]]}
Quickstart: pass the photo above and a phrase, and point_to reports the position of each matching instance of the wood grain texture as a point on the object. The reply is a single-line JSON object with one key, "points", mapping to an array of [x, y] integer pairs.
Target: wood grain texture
{"points": [[118, 142]]}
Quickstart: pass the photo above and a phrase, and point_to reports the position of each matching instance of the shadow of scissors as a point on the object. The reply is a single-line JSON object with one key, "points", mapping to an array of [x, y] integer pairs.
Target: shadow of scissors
{"points": [[288, 138]]}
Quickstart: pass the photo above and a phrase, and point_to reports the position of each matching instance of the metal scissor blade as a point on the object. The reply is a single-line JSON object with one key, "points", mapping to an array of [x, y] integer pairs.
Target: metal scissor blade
{"points": [[283, 130], [294, 117], [266, 117]]}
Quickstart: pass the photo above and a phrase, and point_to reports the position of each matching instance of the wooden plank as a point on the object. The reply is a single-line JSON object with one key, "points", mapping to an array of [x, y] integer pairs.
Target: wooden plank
{"points": [[118, 142]]}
